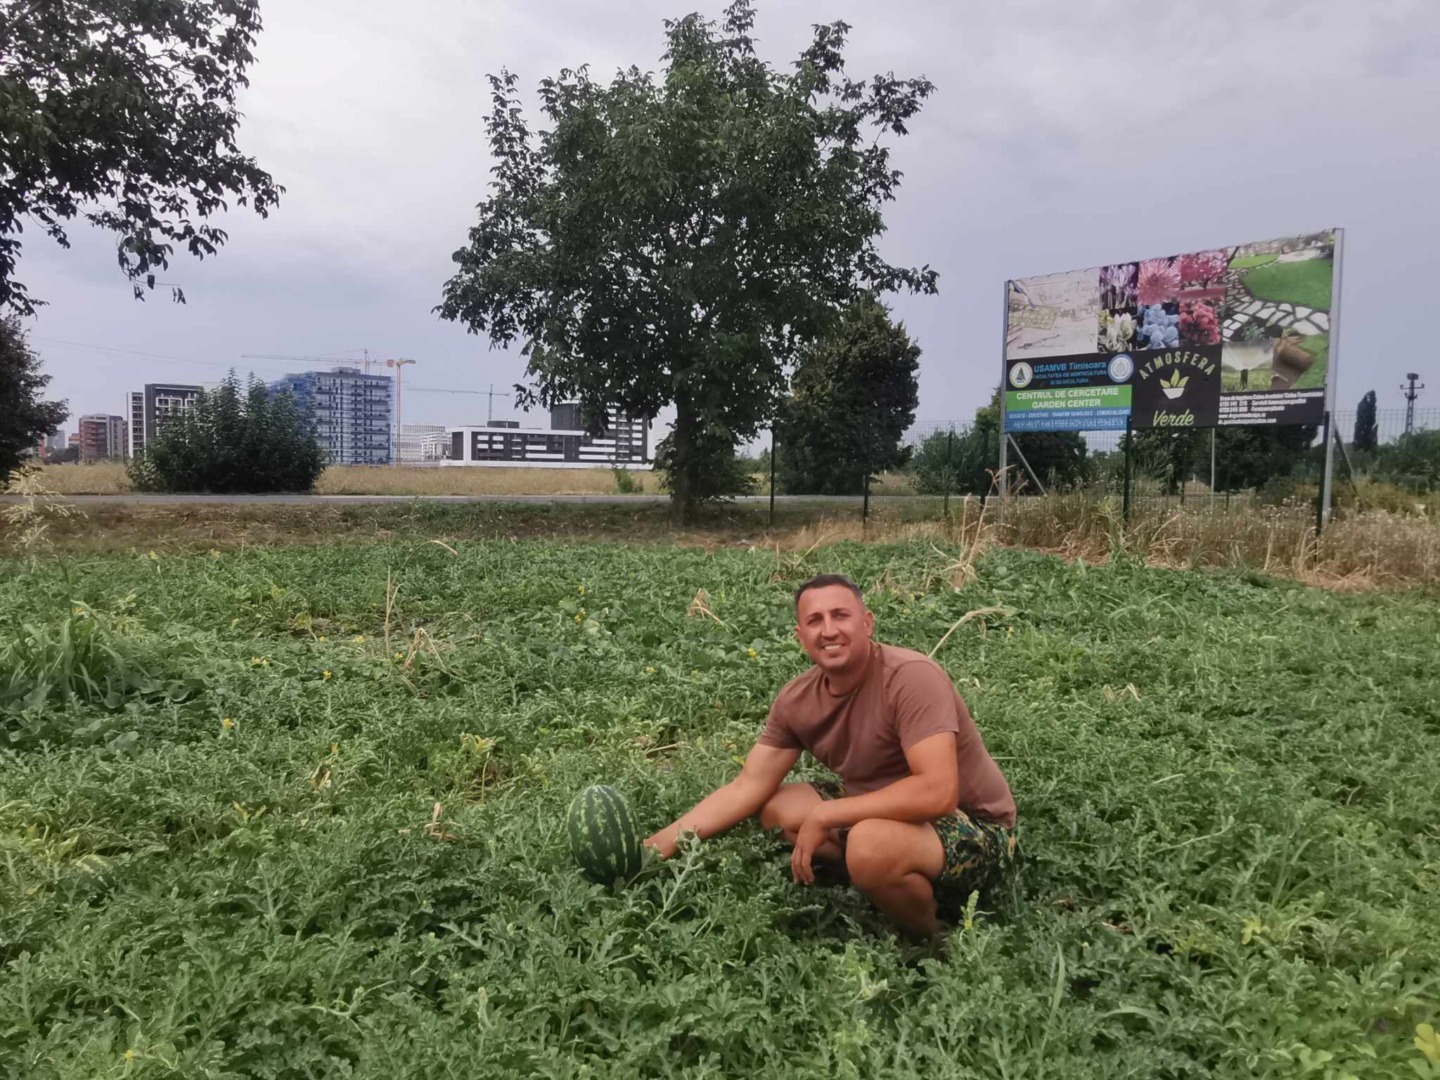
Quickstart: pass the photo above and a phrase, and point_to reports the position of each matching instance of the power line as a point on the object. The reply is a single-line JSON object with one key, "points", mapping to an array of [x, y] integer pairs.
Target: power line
{"points": [[134, 352], [226, 364]]}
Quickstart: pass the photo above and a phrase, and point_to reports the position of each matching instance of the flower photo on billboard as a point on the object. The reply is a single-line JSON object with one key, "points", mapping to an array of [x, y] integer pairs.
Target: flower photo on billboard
{"points": [[1199, 322], [1159, 326], [1202, 274], [1159, 282]]}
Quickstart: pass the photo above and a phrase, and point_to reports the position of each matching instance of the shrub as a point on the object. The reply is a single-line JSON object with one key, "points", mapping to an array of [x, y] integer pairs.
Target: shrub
{"points": [[626, 483], [1411, 461], [231, 441]]}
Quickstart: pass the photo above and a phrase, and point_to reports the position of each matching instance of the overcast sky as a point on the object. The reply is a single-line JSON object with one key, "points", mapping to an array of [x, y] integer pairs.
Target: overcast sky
{"points": [[1063, 134]]}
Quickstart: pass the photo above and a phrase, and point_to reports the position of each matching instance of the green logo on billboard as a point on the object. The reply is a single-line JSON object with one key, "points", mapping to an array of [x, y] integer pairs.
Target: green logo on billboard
{"points": [[1175, 385]]}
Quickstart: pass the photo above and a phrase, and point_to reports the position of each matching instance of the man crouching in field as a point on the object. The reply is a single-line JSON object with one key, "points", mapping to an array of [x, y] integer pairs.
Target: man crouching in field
{"points": [[920, 816]]}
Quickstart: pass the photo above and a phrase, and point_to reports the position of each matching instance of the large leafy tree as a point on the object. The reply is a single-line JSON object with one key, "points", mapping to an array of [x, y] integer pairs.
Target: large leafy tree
{"points": [[233, 439], [676, 240], [24, 418], [123, 112], [852, 398]]}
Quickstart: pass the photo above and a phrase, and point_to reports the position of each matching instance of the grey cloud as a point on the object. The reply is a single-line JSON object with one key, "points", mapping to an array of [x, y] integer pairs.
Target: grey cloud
{"points": [[1062, 134]]}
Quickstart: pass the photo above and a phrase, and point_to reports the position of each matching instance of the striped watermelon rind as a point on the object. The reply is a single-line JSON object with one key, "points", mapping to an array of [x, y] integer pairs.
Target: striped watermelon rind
{"points": [[603, 835]]}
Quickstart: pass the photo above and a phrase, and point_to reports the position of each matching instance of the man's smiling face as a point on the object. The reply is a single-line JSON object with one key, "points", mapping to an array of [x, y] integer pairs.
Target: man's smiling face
{"points": [[835, 628]]}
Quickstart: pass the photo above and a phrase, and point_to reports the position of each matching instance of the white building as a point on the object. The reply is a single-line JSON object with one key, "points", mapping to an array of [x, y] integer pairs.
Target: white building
{"points": [[564, 443], [422, 443]]}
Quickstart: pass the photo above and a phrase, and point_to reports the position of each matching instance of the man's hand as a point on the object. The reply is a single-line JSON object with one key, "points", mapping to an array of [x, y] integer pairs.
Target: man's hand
{"points": [[665, 842], [813, 832]]}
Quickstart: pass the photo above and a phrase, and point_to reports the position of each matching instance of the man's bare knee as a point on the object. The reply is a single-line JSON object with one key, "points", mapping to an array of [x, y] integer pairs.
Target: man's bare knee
{"points": [[870, 854]]}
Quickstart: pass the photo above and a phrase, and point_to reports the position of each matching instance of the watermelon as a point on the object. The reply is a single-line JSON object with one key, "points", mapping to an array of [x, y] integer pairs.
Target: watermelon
{"points": [[603, 835]]}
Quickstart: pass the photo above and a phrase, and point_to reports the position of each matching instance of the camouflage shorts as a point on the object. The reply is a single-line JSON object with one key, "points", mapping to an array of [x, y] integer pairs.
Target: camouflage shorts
{"points": [[980, 856]]}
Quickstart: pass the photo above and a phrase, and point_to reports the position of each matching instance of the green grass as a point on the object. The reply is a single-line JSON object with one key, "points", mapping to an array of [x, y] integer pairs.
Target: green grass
{"points": [[1306, 282], [1243, 262], [1228, 792]]}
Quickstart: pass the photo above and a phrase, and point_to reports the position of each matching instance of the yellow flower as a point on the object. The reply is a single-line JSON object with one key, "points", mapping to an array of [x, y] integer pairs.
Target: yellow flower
{"points": [[649, 671], [227, 723], [358, 639], [265, 661], [752, 654], [399, 656], [325, 675], [579, 618], [214, 553], [320, 638], [129, 1055], [153, 557], [255, 661], [581, 590]]}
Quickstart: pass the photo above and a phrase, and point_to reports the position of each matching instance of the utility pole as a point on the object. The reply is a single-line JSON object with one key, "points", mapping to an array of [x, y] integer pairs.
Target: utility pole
{"points": [[1412, 391], [399, 366]]}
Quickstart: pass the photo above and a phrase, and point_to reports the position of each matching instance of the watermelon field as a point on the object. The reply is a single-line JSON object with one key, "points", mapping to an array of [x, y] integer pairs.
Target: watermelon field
{"points": [[299, 812]]}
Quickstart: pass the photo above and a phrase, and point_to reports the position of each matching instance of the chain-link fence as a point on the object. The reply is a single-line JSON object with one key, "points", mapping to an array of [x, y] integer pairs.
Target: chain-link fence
{"points": [[1215, 470]]}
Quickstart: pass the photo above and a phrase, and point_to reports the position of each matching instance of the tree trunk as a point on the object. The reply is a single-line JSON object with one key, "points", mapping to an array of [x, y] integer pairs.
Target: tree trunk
{"points": [[682, 464]]}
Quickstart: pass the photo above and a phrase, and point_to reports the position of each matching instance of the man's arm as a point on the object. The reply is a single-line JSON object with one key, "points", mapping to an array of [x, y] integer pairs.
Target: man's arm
{"points": [[930, 791], [760, 777]]}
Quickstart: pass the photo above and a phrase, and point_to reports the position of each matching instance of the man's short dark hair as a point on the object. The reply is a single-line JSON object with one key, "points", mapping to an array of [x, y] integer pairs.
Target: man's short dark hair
{"points": [[822, 581]]}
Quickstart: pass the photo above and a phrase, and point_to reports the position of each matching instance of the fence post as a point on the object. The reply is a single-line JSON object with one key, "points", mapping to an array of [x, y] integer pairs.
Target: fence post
{"points": [[1126, 501], [773, 444], [949, 468]]}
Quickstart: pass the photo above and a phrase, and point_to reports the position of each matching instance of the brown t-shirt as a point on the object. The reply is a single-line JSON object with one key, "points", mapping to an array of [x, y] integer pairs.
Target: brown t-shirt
{"points": [[904, 698]]}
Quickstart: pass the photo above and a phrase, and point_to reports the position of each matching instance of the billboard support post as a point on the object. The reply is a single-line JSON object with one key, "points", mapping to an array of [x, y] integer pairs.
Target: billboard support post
{"points": [[1125, 503], [1212, 465], [1332, 366], [1021, 455], [1000, 476], [1322, 499]]}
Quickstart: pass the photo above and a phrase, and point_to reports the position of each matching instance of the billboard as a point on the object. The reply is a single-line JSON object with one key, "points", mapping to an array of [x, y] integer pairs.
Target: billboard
{"points": [[1229, 336]]}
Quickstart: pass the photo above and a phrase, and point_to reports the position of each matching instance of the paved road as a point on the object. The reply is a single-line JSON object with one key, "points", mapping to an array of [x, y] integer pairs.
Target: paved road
{"points": [[351, 500]]}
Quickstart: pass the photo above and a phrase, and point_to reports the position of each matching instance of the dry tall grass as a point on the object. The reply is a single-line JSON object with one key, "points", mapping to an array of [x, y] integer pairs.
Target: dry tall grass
{"points": [[100, 478], [1357, 550], [476, 480], [109, 478], [1361, 550]]}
